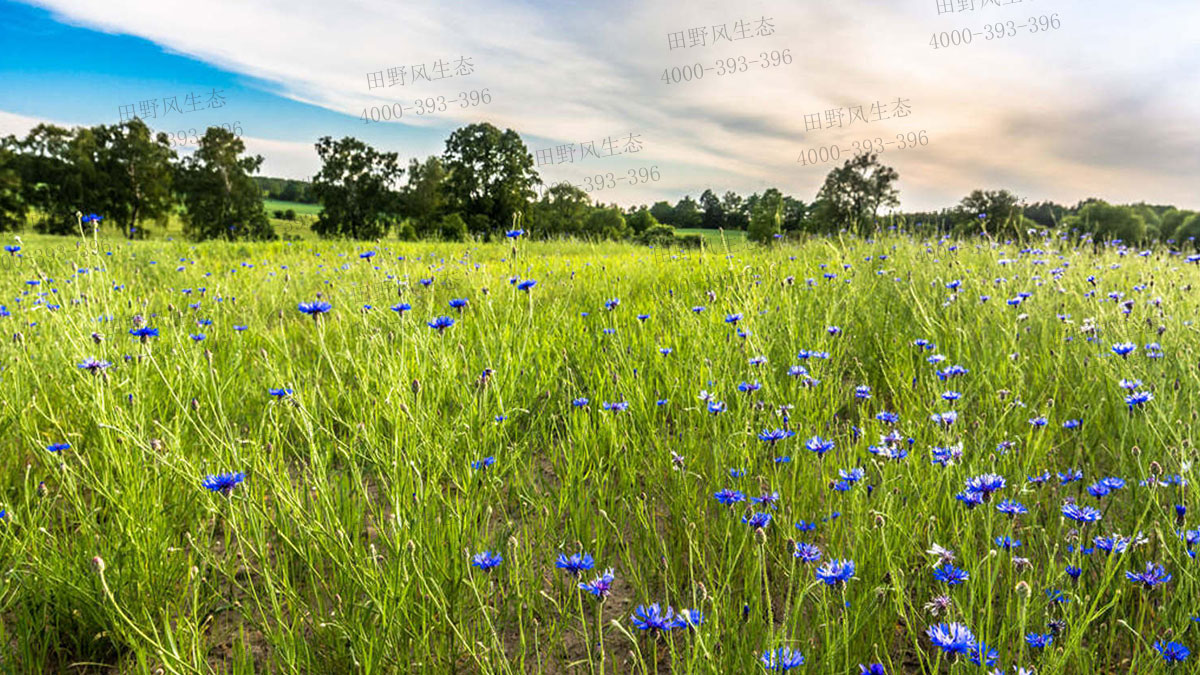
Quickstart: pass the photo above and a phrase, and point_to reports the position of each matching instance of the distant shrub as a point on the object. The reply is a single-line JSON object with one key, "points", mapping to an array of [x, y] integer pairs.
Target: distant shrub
{"points": [[277, 214], [289, 214], [690, 241]]}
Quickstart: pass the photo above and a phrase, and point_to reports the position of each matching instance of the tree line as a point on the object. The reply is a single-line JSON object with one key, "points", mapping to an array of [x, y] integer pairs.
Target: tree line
{"points": [[483, 184]]}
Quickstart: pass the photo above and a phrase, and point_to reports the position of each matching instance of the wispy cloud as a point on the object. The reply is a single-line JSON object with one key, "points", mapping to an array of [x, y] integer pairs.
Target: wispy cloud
{"points": [[1100, 106]]}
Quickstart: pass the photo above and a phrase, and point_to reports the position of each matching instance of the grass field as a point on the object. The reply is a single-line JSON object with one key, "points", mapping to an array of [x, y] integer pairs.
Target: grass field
{"points": [[255, 488]]}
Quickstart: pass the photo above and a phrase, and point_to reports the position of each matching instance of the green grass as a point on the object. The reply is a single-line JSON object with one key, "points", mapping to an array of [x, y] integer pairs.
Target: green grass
{"points": [[713, 238], [272, 205], [347, 547]]}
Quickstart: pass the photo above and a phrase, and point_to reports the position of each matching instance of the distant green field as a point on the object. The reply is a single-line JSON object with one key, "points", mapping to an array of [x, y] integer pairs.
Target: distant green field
{"points": [[732, 237], [277, 205]]}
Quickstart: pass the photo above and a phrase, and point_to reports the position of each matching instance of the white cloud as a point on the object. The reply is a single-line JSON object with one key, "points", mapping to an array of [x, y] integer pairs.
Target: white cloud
{"points": [[567, 73]]}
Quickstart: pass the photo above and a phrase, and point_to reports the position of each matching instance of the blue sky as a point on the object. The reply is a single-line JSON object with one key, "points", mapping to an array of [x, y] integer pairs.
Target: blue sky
{"points": [[1103, 105]]}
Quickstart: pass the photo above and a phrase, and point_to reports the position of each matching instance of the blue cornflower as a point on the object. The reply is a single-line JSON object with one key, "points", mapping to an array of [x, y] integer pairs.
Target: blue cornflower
{"points": [[834, 572], [441, 323], [611, 305], [946, 418], [601, 586], [1138, 398], [526, 285], [862, 392], [223, 482], [950, 575], [746, 387], [758, 520], [458, 303], [665, 351], [1007, 543], [1039, 640], [486, 560], [513, 234], [144, 333], [953, 638], [58, 447], [1072, 424], [853, 475], [1124, 348], [715, 407], [887, 417], [733, 318], [315, 308], [805, 526], [767, 499], [729, 497], [986, 484], [1011, 508], [1074, 571], [94, 366], [574, 564], [483, 464], [616, 406], [809, 553], [1070, 476], [982, 655], [401, 308], [1153, 576], [12, 250], [773, 436], [654, 619], [279, 393], [819, 445], [1172, 652], [579, 402], [198, 337], [1039, 422], [782, 659], [872, 669], [1113, 544], [1082, 514], [367, 255]]}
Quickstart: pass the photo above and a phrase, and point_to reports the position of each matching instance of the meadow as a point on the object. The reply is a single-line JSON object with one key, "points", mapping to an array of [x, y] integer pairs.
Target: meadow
{"points": [[888, 455]]}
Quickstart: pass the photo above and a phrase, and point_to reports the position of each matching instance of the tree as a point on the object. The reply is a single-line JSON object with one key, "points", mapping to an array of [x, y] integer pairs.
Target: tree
{"points": [[853, 194], [657, 235], [1171, 221], [663, 212], [490, 175], [606, 222], [454, 228], [713, 213], [357, 187], [424, 199], [139, 174], [221, 198], [1105, 221], [561, 211], [736, 217], [56, 175], [642, 221], [687, 213], [12, 206], [794, 212], [994, 212], [767, 220], [1046, 214]]}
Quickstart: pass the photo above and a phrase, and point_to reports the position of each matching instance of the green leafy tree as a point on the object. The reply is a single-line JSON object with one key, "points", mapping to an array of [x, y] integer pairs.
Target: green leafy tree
{"points": [[490, 177], [139, 175], [687, 213], [453, 228], [220, 197], [1107, 222], [767, 220], [713, 212], [12, 205], [736, 216], [994, 212], [606, 222], [794, 213], [57, 171], [854, 192], [424, 199], [642, 221], [1171, 221], [561, 212], [663, 212], [357, 188]]}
